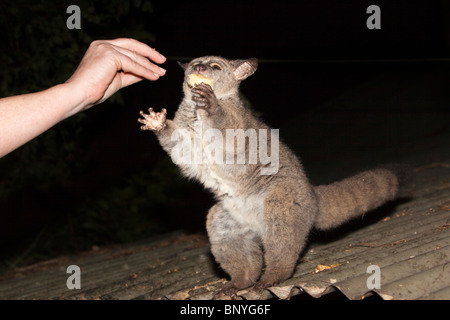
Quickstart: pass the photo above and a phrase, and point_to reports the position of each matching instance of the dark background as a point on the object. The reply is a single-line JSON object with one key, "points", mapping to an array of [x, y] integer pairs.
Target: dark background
{"points": [[337, 91]]}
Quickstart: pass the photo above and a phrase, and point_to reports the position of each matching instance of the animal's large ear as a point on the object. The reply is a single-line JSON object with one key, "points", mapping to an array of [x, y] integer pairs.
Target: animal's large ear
{"points": [[244, 68], [183, 65]]}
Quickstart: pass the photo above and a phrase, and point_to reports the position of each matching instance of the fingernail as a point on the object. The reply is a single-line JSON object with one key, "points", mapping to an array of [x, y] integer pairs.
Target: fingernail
{"points": [[162, 70], [161, 56]]}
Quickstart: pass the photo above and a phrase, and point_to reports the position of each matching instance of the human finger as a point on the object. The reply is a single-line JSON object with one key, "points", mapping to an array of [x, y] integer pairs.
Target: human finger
{"points": [[125, 64], [140, 48], [142, 60]]}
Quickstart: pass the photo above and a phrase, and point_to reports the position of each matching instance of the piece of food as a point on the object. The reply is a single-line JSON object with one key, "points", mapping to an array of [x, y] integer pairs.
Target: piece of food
{"points": [[194, 80], [322, 267]]}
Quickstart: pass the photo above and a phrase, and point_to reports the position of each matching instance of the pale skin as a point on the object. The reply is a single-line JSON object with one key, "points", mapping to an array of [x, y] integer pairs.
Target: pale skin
{"points": [[107, 66]]}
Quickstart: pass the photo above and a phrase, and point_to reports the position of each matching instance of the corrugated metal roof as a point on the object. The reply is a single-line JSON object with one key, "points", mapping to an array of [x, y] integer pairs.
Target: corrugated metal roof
{"points": [[410, 244]]}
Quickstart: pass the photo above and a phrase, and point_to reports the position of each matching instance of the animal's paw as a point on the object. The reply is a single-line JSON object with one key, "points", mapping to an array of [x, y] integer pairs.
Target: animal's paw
{"points": [[155, 121], [261, 285], [229, 290], [205, 97]]}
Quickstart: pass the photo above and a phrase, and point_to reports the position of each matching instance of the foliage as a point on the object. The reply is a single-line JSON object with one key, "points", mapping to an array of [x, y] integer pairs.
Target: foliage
{"points": [[134, 209], [39, 51]]}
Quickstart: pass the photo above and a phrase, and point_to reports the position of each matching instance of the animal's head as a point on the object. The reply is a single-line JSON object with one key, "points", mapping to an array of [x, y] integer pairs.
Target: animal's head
{"points": [[225, 75]]}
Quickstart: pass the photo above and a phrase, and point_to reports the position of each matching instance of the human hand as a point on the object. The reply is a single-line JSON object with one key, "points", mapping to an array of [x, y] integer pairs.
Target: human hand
{"points": [[109, 65]]}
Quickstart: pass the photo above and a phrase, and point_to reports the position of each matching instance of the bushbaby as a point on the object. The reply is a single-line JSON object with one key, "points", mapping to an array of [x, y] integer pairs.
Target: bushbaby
{"points": [[260, 221]]}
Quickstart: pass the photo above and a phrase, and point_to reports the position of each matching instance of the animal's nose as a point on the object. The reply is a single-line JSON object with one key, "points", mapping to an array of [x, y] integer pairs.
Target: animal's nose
{"points": [[199, 67]]}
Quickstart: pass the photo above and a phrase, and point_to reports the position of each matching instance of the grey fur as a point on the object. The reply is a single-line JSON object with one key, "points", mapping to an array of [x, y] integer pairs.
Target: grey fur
{"points": [[260, 222]]}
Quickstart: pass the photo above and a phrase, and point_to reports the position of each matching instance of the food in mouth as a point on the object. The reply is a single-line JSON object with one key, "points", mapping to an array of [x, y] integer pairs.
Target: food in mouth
{"points": [[194, 80]]}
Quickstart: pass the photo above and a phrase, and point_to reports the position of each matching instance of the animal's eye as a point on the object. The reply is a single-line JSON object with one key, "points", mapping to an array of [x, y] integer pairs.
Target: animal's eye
{"points": [[216, 66]]}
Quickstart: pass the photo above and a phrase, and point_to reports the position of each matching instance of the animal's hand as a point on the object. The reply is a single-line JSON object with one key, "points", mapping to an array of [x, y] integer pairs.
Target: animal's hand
{"points": [[155, 121], [204, 94]]}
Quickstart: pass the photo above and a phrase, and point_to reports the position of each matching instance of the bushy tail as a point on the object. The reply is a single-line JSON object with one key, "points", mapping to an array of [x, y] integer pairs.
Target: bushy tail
{"points": [[354, 196]]}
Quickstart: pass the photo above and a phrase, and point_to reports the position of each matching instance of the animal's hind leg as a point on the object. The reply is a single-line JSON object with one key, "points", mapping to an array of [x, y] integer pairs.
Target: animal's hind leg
{"points": [[288, 215], [236, 248]]}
